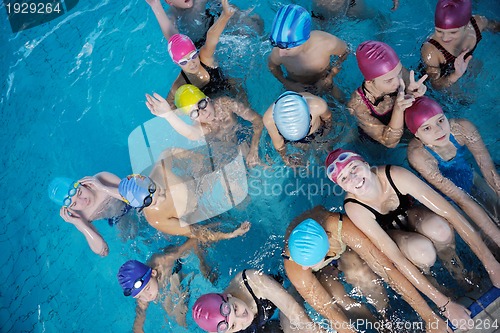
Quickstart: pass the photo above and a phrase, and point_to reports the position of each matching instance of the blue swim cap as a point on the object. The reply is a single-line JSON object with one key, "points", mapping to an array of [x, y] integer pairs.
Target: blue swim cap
{"points": [[133, 276], [308, 243], [291, 116], [291, 27], [58, 189], [137, 190]]}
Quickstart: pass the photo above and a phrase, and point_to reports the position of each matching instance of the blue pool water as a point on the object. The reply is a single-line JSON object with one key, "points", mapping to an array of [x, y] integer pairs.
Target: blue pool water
{"points": [[72, 91]]}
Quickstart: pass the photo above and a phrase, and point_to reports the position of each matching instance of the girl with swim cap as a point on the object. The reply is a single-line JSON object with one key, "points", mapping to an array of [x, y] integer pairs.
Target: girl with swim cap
{"points": [[86, 200], [379, 202], [297, 118], [319, 245], [247, 305], [160, 279], [388, 89], [212, 118], [439, 153], [446, 55]]}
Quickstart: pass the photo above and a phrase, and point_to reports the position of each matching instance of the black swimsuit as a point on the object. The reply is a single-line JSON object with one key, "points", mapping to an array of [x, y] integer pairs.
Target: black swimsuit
{"points": [[265, 310], [395, 219], [449, 66], [217, 81]]}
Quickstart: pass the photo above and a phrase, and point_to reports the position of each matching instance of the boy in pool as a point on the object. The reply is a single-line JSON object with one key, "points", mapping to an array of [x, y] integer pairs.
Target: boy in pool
{"points": [[87, 200], [298, 119], [305, 54], [447, 53], [215, 118], [146, 282], [167, 203]]}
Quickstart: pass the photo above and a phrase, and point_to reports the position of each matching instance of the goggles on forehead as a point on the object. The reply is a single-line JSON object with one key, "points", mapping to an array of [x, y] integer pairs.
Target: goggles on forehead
{"points": [[225, 310], [137, 284], [71, 193], [333, 168], [191, 56]]}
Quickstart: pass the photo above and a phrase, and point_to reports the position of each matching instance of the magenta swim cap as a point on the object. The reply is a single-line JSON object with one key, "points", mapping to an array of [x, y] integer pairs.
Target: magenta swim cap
{"points": [[180, 46], [337, 160], [420, 111], [375, 59], [207, 311], [451, 14]]}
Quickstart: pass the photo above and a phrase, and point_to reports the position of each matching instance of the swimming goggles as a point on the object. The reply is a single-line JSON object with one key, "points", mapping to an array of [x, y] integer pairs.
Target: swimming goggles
{"points": [[202, 105], [137, 284], [71, 193], [285, 45], [149, 199], [225, 310], [333, 167], [192, 56]]}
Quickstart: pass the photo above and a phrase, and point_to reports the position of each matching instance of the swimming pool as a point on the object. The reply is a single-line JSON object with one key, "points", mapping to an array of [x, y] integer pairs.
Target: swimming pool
{"points": [[72, 91]]}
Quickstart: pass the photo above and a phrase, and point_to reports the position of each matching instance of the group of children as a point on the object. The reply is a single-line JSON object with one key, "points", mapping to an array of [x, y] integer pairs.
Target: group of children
{"points": [[384, 231]]}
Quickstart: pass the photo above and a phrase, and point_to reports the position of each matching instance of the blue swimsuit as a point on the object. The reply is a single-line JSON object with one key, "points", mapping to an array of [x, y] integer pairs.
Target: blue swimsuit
{"points": [[458, 170]]}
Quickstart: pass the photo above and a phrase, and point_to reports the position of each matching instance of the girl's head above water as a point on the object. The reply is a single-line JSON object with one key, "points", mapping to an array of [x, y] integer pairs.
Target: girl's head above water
{"points": [[420, 111], [337, 160], [451, 14], [180, 46], [375, 59]]}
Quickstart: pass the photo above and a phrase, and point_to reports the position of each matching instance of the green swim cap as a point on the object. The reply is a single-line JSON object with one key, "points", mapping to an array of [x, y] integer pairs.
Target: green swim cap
{"points": [[188, 95]]}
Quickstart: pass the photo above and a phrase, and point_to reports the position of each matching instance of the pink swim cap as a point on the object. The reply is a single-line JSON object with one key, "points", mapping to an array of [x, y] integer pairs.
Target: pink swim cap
{"points": [[180, 46], [421, 110], [451, 14], [375, 59], [207, 311], [337, 160]]}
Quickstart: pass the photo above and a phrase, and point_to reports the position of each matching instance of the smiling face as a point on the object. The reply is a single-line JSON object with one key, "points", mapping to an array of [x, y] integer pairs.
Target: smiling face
{"points": [[83, 199], [435, 131], [240, 317], [450, 37], [389, 82], [150, 291], [182, 4], [355, 178], [205, 115]]}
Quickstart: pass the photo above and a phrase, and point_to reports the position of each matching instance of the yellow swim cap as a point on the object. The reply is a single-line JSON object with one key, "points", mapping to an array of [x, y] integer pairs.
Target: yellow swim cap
{"points": [[188, 95]]}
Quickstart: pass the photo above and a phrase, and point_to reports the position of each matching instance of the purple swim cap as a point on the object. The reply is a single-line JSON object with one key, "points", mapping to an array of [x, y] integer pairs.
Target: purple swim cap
{"points": [[451, 14], [133, 276], [207, 311], [375, 59], [421, 110]]}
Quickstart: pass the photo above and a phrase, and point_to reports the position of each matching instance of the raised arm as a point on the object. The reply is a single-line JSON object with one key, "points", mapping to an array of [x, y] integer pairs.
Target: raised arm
{"points": [[105, 182], [160, 108], [384, 268], [94, 239], [431, 58], [422, 161], [365, 221], [167, 26], [408, 183], [213, 34], [266, 287]]}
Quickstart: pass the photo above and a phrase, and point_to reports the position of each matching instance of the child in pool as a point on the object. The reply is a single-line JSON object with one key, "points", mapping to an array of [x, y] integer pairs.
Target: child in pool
{"points": [[87, 200], [299, 119], [145, 282], [379, 203], [319, 244], [387, 91], [438, 154], [212, 118], [305, 54], [167, 201], [446, 55], [248, 304]]}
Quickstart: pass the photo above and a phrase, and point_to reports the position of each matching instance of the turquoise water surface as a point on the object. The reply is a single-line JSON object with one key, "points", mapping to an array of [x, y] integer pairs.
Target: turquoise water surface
{"points": [[72, 91]]}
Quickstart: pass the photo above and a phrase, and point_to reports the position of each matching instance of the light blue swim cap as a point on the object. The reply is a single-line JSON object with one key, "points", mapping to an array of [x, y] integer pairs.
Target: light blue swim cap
{"points": [[308, 243], [137, 190], [291, 27], [291, 116], [58, 189]]}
